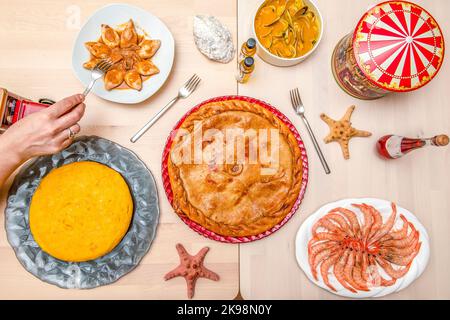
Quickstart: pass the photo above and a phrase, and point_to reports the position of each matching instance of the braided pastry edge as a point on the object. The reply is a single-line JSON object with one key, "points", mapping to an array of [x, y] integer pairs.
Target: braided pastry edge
{"points": [[183, 207]]}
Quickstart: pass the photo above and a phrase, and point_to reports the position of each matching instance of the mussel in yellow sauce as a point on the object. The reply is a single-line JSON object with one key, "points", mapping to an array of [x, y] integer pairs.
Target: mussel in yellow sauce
{"points": [[287, 28]]}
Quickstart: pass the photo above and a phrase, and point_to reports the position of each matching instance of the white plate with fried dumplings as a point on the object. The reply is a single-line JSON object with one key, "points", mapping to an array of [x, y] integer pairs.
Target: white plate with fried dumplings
{"points": [[139, 45], [362, 248]]}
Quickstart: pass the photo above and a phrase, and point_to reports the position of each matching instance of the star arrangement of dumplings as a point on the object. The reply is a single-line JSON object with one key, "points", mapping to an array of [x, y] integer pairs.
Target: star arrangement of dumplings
{"points": [[130, 54]]}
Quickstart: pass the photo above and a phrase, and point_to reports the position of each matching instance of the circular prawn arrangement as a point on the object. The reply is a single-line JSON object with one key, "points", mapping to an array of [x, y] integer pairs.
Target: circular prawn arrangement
{"points": [[362, 248]]}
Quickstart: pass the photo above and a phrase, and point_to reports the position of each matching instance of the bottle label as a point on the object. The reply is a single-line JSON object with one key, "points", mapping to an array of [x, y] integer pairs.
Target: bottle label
{"points": [[394, 147]]}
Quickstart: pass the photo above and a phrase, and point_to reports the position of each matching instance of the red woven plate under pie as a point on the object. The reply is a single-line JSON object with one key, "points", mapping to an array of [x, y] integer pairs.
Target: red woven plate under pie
{"points": [[205, 232]]}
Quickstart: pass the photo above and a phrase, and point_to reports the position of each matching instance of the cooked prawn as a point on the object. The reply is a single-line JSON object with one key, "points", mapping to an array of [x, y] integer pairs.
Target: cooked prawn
{"points": [[357, 251]]}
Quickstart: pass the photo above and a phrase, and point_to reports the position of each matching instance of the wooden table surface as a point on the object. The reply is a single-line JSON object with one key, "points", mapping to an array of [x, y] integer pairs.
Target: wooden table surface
{"points": [[36, 58], [35, 51], [419, 182]]}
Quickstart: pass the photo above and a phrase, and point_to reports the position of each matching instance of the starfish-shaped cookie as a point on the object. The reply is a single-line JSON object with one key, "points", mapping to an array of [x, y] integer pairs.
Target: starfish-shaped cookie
{"points": [[191, 268], [342, 131]]}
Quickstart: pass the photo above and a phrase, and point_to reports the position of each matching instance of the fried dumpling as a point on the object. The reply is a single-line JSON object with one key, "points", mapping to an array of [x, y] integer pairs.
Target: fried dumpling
{"points": [[133, 80], [146, 68], [98, 49], [129, 36], [128, 63], [110, 36], [148, 48], [91, 63], [115, 56], [114, 78]]}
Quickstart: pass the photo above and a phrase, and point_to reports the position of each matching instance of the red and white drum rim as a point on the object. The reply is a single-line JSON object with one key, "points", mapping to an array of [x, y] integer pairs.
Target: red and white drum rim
{"points": [[399, 46]]}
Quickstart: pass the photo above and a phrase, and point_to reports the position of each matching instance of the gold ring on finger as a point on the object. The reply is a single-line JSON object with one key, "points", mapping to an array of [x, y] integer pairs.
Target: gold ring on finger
{"points": [[71, 133]]}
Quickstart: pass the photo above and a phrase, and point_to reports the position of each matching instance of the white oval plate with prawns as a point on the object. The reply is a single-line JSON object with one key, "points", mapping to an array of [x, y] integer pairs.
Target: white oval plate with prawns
{"points": [[139, 70], [362, 248]]}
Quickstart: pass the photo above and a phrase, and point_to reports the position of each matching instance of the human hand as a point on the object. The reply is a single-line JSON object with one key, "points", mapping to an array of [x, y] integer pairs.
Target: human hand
{"points": [[47, 131]]}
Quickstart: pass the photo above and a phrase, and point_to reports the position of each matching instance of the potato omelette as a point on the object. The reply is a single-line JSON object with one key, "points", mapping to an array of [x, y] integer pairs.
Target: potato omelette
{"points": [[80, 211]]}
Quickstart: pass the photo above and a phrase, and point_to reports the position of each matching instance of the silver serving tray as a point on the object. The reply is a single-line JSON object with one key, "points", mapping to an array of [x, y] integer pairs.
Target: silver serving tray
{"points": [[109, 268]]}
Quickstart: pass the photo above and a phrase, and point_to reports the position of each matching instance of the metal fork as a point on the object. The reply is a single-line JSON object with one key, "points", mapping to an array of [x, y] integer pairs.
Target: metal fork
{"points": [[300, 110], [184, 92], [99, 70]]}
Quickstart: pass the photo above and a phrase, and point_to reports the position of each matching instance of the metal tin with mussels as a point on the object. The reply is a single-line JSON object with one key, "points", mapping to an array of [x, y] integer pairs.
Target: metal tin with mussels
{"points": [[397, 46]]}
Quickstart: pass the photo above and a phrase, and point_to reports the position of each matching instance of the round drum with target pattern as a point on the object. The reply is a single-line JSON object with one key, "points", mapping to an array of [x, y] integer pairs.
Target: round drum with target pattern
{"points": [[396, 47]]}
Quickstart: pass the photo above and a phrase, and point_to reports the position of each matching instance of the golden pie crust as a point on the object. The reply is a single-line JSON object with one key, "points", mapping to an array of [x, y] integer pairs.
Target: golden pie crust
{"points": [[80, 211], [240, 199]]}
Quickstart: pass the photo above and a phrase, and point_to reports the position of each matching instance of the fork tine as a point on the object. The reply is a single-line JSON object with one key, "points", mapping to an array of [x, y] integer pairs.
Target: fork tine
{"points": [[297, 92], [107, 66], [292, 98], [102, 65], [189, 82], [197, 83], [194, 84], [191, 87], [98, 65], [196, 79]]}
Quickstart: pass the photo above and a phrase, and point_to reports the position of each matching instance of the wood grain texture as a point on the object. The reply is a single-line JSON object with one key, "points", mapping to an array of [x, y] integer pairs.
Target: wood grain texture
{"points": [[36, 58], [36, 51], [419, 182]]}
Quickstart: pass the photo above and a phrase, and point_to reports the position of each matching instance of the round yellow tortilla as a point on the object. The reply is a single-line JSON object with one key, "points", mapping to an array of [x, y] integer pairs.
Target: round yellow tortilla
{"points": [[80, 211]]}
